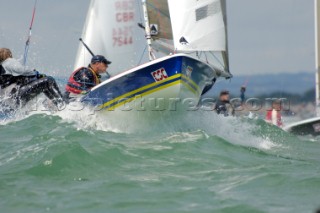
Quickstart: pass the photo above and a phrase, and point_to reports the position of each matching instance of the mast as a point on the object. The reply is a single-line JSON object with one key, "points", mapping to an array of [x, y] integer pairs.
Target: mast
{"points": [[147, 29], [317, 51], [225, 54]]}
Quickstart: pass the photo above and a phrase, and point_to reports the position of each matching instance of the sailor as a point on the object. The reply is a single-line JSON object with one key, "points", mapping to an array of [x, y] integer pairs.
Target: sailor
{"points": [[273, 115], [21, 84], [242, 94], [84, 78], [223, 105]]}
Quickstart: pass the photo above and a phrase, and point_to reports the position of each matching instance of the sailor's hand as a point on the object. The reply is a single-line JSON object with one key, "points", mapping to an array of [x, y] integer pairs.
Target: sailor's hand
{"points": [[40, 75]]}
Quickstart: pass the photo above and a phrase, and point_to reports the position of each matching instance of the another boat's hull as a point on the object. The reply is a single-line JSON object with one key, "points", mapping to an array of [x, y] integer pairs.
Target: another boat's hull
{"points": [[306, 127], [168, 81]]}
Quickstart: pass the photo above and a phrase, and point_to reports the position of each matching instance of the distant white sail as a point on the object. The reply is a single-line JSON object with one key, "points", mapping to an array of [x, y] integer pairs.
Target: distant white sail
{"points": [[111, 30]]}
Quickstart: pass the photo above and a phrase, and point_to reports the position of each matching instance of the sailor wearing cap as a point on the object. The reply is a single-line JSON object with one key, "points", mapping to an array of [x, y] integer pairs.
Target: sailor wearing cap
{"points": [[84, 78], [223, 105]]}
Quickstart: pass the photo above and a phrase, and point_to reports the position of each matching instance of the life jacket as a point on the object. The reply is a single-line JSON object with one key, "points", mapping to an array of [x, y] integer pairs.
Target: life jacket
{"points": [[76, 87], [274, 117]]}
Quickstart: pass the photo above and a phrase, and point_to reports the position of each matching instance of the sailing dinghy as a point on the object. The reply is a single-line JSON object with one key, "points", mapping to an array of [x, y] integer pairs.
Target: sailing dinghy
{"points": [[189, 35]]}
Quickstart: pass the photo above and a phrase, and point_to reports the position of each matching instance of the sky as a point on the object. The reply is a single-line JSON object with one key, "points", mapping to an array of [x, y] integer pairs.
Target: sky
{"points": [[265, 36]]}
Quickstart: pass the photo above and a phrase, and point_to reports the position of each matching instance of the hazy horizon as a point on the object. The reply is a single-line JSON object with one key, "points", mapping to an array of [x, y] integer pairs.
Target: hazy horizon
{"points": [[264, 36]]}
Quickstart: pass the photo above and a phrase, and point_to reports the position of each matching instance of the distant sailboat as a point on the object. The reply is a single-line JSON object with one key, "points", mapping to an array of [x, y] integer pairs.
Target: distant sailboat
{"points": [[311, 126], [190, 33]]}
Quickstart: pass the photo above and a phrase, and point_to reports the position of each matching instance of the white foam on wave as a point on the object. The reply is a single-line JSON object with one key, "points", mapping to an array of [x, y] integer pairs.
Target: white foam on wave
{"points": [[180, 126], [234, 130]]}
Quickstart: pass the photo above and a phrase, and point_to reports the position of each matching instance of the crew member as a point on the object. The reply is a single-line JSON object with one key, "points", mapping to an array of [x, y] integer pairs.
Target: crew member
{"points": [[242, 94], [84, 78], [273, 115], [20, 84], [223, 105]]}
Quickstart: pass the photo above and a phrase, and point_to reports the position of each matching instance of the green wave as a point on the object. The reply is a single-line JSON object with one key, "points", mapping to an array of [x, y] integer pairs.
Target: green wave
{"points": [[213, 164]]}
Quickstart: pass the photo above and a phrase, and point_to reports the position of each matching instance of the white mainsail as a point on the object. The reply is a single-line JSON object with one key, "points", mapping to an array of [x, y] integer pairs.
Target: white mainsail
{"points": [[111, 30], [190, 26]]}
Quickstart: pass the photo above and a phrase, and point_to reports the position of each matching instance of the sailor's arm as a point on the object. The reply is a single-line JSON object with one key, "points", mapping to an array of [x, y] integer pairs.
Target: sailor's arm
{"points": [[86, 78], [13, 67]]}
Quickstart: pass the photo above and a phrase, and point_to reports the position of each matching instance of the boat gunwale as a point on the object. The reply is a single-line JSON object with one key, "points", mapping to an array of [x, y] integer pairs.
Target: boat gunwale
{"points": [[226, 74]]}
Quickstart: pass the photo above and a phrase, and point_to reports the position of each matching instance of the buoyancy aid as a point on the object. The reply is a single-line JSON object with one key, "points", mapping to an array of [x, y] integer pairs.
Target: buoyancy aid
{"points": [[76, 87]]}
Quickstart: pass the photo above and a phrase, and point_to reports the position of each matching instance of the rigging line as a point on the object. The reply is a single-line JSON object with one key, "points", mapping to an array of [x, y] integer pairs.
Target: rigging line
{"points": [[217, 60], [144, 51], [206, 57], [26, 49]]}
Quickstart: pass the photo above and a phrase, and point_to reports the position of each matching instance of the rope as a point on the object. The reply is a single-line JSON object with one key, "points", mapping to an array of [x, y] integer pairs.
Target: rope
{"points": [[144, 51], [26, 49], [217, 59]]}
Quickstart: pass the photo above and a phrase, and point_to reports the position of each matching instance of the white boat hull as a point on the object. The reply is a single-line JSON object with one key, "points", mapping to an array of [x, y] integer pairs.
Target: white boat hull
{"points": [[306, 127]]}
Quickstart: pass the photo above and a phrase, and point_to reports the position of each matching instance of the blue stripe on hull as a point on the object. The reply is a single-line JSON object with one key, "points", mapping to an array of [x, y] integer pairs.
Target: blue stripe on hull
{"points": [[192, 73]]}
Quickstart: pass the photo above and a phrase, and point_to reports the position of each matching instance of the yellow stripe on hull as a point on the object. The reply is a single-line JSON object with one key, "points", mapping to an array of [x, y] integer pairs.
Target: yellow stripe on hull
{"points": [[124, 100]]}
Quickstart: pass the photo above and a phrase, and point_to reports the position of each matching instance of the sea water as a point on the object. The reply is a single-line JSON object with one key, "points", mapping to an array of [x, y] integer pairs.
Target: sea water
{"points": [[196, 162]]}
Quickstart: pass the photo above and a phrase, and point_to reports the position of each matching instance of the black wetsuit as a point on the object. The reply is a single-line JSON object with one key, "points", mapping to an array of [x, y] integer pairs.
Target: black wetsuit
{"points": [[222, 107], [28, 87]]}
